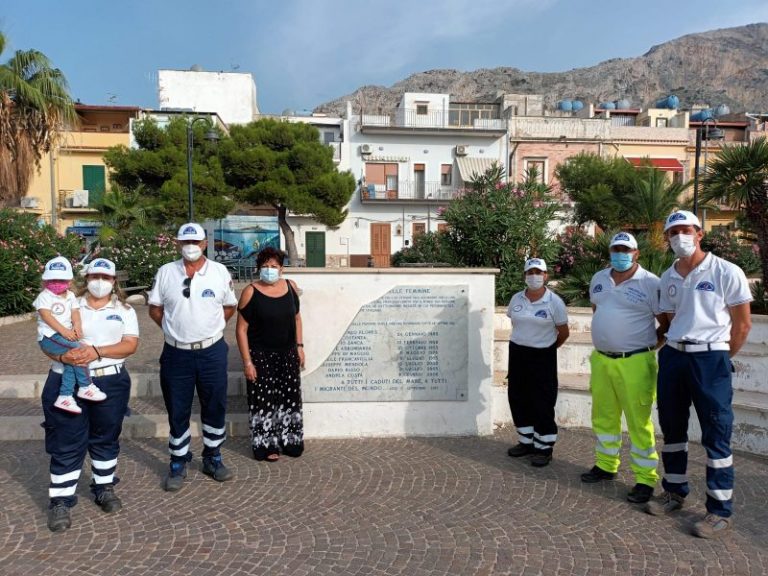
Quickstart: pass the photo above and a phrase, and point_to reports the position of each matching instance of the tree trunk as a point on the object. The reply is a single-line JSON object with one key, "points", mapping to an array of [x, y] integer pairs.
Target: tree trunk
{"points": [[290, 240]]}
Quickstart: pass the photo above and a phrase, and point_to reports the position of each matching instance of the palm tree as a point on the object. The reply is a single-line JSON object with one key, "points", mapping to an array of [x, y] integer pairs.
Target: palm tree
{"points": [[653, 198], [738, 177], [121, 211], [34, 104]]}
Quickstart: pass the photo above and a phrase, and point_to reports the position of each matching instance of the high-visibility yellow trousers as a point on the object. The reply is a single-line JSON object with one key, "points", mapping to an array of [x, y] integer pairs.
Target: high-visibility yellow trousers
{"points": [[625, 385]]}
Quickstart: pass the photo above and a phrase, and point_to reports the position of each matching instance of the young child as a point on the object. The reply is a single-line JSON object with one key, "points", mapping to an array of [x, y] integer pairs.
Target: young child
{"points": [[59, 329]]}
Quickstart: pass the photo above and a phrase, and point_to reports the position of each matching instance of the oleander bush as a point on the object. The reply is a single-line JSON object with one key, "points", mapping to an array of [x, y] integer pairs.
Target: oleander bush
{"points": [[140, 252], [726, 245], [25, 246]]}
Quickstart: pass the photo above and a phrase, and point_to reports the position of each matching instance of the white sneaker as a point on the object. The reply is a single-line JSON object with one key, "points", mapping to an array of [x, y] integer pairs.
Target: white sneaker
{"points": [[68, 404], [92, 393]]}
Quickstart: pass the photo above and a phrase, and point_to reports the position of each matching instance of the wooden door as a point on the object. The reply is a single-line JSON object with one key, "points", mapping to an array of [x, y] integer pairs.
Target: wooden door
{"points": [[381, 249], [315, 243]]}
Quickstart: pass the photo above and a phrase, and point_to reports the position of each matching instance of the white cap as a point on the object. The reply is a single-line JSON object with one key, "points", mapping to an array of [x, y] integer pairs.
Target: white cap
{"points": [[681, 218], [624, 239], [537, 263], [57, 269], [191, 231], [102, 266]]}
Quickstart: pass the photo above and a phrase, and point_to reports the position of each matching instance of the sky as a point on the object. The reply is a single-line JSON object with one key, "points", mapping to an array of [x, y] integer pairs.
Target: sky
{"points": [[302, 53]]}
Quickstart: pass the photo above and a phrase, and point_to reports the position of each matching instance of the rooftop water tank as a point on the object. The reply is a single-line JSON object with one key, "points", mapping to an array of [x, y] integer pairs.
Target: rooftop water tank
{"points": [[608, 106], [670, 102], [722, 110], [565, 105], [702, 115], [577, 105], [623, 104]]}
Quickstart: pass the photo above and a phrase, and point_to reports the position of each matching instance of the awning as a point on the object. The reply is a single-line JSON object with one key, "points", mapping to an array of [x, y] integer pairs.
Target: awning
{"points": [[666, 164], [470, 168]]}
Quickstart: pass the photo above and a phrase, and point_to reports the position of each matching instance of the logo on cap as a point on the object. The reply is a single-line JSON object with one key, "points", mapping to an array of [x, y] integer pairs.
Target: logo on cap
{"points": [[101, 264], [57, 266], [676, 216], [621, 236], [189, 230], [541, 314], [533, 261], [705, 286]]}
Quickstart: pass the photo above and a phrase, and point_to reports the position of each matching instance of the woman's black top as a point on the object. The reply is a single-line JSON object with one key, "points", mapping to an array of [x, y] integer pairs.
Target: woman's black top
{"points": [[272, 321]]}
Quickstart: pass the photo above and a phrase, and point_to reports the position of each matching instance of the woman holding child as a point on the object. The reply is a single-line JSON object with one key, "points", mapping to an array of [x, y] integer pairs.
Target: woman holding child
{"points": [[110, 333]]}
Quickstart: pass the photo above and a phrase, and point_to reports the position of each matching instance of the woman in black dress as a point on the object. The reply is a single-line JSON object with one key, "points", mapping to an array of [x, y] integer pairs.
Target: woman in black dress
{"points": [[269, 336]]}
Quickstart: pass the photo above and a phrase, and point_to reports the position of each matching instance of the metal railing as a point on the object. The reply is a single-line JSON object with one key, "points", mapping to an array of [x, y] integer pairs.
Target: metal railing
{"points": [[413, 190], [435, 119]]}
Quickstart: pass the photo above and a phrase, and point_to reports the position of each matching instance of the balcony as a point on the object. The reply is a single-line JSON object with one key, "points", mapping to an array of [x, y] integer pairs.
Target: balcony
{"points": [[408, 191], [555, 128], [435, 121], [76, 202]]}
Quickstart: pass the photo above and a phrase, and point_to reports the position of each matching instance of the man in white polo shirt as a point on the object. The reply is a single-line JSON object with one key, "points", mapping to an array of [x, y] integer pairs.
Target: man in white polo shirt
{"points": [[625, 301], [191, 300], [707, 300]]}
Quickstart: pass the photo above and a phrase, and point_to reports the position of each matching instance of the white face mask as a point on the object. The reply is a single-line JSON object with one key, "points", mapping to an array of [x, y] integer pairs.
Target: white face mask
{"points": [[191, 252], [100, 288], [683, 245], [534, 282]]}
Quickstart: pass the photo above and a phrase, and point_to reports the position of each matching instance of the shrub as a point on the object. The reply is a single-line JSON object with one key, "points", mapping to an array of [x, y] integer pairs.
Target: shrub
{"points": [[25, 247], [140, 253], [426, 248], [722, 243]]}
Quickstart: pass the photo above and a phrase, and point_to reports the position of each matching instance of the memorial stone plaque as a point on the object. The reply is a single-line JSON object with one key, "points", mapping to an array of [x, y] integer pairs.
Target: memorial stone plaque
{"points": [[410, 344]]}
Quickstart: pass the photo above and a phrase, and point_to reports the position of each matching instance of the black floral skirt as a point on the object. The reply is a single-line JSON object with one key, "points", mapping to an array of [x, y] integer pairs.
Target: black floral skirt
{"points": [[274, 401]]}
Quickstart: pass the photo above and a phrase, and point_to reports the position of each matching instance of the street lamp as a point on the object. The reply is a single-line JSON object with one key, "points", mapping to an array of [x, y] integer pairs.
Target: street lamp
{"points": [[703, 132], [211, 136]]}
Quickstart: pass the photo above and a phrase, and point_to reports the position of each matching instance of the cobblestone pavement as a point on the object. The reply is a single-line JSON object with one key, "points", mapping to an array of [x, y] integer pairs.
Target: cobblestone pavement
{"points": [[380, 507]]}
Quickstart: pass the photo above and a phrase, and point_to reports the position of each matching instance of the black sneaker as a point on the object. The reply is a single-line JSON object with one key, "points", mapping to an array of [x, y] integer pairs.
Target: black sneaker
{"points": [[541, 459], [58, 517], [214, 467], [107, 500], [640, 494], [597, 475], [520, 450], [176, 475]]}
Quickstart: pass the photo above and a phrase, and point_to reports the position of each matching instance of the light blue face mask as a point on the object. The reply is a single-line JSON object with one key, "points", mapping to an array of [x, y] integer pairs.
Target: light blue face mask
{"points": [[621, 261], [269, 275]]}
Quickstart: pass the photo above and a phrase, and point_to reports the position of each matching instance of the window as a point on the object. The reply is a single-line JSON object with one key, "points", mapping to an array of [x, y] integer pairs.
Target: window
{"points": [[460, 114], [442, 227], [418, 229], [539, 165], [95, 181], [446, 175], [418, 180], [661, 122], [380, 180], [421, 109], [329, 137]]}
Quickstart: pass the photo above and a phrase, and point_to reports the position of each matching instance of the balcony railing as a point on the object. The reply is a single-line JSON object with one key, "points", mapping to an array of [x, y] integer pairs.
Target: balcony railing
{"points": [[650, 134], [559, 128], [449, 119], [410, 190]]}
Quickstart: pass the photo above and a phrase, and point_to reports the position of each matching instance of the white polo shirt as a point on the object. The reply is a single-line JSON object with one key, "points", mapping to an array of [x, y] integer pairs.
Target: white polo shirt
{"points": [[201, 315], [624, 319], [700, 301], [104, 327], [60, 306], [534, 324]]}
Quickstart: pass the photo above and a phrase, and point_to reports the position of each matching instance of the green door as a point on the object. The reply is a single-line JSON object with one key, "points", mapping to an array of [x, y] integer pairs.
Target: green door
{"points": [[95, 181], [315, 243]]}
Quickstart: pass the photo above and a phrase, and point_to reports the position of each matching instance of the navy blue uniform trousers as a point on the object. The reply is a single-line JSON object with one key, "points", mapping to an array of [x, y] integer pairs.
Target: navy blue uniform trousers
{"points": [[703, 378], [68, 437], [181, 373]]}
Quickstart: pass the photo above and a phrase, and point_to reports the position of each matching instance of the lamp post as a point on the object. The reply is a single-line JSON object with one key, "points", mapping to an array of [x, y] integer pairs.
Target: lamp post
{"points": [[211, 136], [703, 132]]}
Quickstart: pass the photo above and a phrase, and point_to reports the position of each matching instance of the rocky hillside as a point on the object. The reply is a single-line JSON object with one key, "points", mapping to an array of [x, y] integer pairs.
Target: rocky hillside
{"points": [[728, 66]]}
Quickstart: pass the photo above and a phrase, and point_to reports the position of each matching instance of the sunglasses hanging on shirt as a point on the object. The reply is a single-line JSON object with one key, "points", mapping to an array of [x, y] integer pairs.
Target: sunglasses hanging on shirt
{"points": [[185, 292]]}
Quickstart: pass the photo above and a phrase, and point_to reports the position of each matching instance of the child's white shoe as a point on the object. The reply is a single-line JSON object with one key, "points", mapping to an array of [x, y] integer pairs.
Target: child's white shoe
{"points": [[68, 404], [92, 393]]}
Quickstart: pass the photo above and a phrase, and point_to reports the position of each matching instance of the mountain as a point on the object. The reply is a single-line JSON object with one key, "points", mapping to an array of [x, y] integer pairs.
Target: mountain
{"points": [[727, 66]]}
